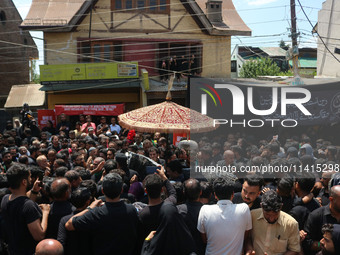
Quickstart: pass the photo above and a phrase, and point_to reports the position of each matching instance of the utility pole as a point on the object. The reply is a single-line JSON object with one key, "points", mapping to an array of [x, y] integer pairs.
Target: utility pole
{"points": [[295, 49]]}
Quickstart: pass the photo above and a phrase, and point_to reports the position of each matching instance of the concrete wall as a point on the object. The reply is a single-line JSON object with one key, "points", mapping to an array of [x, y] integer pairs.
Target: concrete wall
{"points": [[328, 28], [61, 48]]}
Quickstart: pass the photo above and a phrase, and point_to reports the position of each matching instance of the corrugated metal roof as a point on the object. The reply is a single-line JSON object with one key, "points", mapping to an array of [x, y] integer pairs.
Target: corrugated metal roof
{"points": [[27, 93], [274, 51], [156, 86], [306, 62], [55, 13]]}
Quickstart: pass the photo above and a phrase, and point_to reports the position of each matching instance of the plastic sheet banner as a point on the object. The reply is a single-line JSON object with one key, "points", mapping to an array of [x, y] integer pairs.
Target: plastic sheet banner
{"points": [[177, 138], [44, 116], [103, 110]]}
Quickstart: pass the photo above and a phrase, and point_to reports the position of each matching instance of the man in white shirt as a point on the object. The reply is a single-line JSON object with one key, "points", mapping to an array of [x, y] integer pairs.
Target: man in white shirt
{"points": [[114, 127], [225, 226]]}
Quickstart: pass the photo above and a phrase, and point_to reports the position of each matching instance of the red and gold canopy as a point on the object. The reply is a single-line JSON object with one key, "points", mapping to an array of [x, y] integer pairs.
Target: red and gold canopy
{"points": [[166, 117]]}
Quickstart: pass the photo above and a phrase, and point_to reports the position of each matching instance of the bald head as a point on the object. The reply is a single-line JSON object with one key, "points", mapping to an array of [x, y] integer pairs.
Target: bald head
{"points": [[192, 189], [228, 156], [49, 247], [60, 189], [335, 191]]}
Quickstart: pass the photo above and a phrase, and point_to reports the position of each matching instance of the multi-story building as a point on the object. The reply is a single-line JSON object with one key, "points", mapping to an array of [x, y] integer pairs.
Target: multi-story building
{"points": [[17, 50], [123, 31]]}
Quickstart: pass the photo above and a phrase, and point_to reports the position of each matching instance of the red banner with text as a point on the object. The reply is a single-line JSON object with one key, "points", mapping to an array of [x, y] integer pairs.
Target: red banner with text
{"points": [[103, 110], [44, 116]]}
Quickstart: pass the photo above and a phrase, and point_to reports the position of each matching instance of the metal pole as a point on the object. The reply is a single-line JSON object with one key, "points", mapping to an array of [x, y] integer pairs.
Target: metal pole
{"points": [[294, 37], [90, 25]]}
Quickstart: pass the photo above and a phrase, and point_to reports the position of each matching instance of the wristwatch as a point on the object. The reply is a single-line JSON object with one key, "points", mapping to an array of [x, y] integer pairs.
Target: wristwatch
{"points": [[34, 192], [89, 208]]}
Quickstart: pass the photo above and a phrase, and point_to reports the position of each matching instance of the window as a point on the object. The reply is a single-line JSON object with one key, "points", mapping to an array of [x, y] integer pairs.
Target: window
{"points": [[118, 4], [140, 4], [100, 51], [163, 5], [153, 5], [149, 6], [3, 17], [191, 52], [233, 66], [128, 4]]}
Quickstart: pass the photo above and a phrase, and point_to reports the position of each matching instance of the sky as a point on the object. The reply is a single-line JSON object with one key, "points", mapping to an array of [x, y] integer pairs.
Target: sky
{"points": [[269, 21]]}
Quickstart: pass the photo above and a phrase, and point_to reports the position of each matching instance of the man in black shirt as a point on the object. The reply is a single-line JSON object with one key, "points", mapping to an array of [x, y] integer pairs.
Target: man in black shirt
{"points": [[153, 187], [7, 161], [63, 125], [23, 222], [319, 217], [323, 196], [190, 211], [330, 242], [113, 226], [76, 242], [251, 190], [60, 207], [303, 186]]}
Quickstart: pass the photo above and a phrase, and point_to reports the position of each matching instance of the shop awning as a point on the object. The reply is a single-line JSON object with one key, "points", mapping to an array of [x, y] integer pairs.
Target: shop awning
{"points": [[91, 85], [103, 110], [26, 93]]}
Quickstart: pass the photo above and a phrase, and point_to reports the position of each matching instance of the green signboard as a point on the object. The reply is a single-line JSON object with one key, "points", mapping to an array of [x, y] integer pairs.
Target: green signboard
{"points": [[92, 71]]}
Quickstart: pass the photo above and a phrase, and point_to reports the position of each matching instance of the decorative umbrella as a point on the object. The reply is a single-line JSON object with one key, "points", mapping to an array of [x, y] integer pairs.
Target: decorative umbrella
{"points": [[167, 117]]}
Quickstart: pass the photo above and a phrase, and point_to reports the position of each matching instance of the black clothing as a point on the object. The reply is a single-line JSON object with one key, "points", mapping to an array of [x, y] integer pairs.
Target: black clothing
{"points": [[100, 126], [114, 228], [190, 211], [149, 215], [74, 242], [149, 219], [58, 148], [16, 215], [215, 159], [313, 225], [124, 195], [172, 236], [58, 210], [163, 67], [66, 124], [238, 200], [336, 238], [300, 214], [51, 130], [311, 206], [193, 66], [287, 204], [242, 160], [300, 211], [324, 197]]}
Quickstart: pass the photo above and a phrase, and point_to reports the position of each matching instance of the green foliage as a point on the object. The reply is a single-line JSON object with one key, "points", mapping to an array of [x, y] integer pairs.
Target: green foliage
{"points": [[287, 73], [259, 67], [35, 76], [283, 45]]}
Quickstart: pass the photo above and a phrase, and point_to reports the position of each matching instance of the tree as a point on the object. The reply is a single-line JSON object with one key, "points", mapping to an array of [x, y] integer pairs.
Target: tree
{"points": [[259, 67], [35, 75], [283, 45]]}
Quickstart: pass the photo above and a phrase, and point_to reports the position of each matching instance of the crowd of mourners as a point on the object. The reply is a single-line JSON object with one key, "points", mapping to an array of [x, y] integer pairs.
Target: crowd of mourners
{"points": [[101, 189]]}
